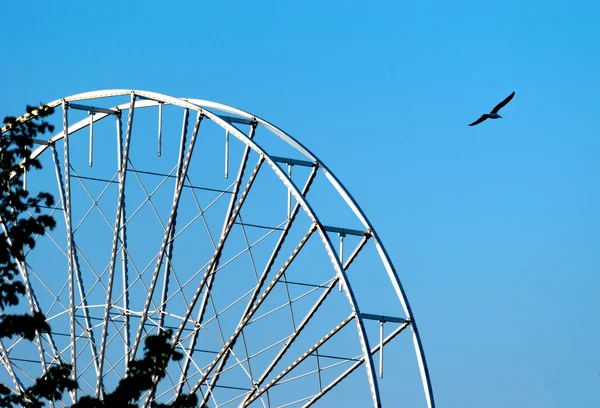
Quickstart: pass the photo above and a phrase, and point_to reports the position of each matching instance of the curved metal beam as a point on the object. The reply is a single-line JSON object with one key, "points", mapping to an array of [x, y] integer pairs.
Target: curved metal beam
{"points": [[351, 202], [204, 106]]}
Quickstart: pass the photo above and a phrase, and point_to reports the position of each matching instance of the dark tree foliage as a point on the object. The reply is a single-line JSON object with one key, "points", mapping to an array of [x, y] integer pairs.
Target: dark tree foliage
{"points": [[19, 228], [21, 220], [140, 375]]}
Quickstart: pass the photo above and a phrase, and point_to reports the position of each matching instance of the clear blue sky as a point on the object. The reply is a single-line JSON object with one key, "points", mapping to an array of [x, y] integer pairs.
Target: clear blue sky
{"points": [[493, 229]]}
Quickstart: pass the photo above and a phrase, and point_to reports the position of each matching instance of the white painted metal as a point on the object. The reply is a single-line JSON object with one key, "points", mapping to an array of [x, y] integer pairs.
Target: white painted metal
{"points": [[226, 154], [168, 254], [300, 359], [247, 314], [324, 237], [167, 234], [395, 280], [381, 349], [355, 365], [120, 203], [305, 321], [82, 293], [33, 307], [224, 232], [123, 238], [148, 99], [11, 370], [160, 112], [91, 137], [342, 235], [69, 232], [289, 194], [246, 318], [230, 217]]}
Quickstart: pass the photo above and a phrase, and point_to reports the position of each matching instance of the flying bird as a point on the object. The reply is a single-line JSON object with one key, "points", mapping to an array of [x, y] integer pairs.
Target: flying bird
{"points": [[494, 113]]}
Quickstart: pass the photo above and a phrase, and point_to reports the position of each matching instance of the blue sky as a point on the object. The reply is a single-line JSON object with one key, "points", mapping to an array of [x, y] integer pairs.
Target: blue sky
{"points": [[493, 229]]}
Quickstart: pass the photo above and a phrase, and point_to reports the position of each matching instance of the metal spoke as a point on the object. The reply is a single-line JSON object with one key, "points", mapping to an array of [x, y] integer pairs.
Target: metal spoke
{"points": [[255, 307], [217, 251], [168, 256], [357, 364], [75, 262], [300, 359], [310, 314], [211, 277], [148, 196], [10, 368], [94, 200], [219, 305], [33, 307], [122, 168], [169, 250], [291, 217], [120, 204], [166, 236], [67, 206], [22, 266]]}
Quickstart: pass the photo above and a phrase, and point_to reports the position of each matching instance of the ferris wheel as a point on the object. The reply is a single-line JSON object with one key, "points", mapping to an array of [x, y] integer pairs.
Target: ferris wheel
{"points": [[196, 217]]}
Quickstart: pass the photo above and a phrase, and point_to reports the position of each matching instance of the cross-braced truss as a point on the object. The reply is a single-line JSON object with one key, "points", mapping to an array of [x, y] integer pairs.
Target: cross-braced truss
{"points": [[275, 287]]}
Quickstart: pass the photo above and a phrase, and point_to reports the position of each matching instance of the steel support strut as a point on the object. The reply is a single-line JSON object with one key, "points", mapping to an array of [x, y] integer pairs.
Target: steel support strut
{"points": [[123, 238], [393, 276], [67, 206], [209, 282], [254, 308], [245, 117], [169, 253], [11, 371], [263, 277], [306, 320], [179, 180], [166, 236], [113, 254], [82, 294], [360, 361], [33, 307], [217, 253], [300, 359]]}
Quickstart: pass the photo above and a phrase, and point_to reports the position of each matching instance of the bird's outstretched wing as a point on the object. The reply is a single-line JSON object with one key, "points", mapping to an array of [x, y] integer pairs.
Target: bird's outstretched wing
{"points": [[478, 121], [504, 102]]}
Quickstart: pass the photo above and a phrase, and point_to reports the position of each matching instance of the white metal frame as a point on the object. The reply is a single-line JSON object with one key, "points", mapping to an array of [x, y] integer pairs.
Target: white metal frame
{"points": [[204, 109]]}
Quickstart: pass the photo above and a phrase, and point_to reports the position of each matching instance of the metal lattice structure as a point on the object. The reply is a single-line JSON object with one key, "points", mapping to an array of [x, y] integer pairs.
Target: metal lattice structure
{"points": [[183, 214]]}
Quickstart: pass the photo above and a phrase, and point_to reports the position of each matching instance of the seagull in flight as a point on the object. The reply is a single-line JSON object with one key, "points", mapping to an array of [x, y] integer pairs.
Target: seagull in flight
{"points": [[494, 113]]}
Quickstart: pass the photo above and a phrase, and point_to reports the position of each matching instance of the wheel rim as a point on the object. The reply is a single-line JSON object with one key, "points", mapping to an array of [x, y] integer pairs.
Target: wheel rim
{"points": [[263, 327]]}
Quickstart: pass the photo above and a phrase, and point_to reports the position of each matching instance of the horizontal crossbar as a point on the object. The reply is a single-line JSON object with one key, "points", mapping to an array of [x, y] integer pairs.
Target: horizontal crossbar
{"points": [[234, 119], [382, 318], [152, 174], [94, 109], [293, 162], [345, 231]]}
